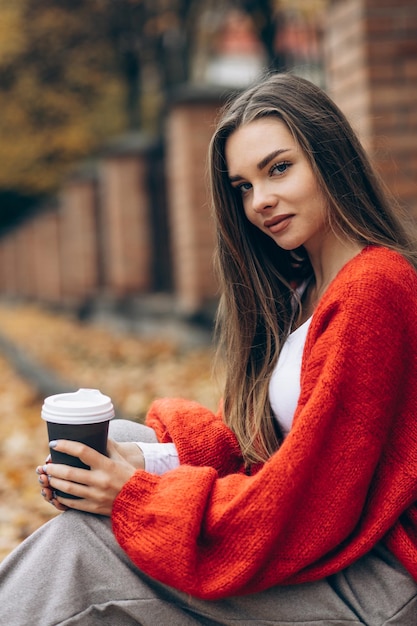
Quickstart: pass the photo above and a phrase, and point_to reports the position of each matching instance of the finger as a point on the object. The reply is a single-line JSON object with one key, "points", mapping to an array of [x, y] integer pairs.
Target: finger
{"points": [[111, 446], [90, 504], [50, 497], [88, 455], [47, 494], [81, 504], [64, 486], [44, 480], [115, 452], [58, 505], [39, 469], [55, 471]]}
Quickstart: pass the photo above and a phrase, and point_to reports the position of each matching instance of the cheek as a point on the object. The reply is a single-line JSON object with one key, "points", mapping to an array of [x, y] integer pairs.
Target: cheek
{"points": [[249, 214], [313, 197]]}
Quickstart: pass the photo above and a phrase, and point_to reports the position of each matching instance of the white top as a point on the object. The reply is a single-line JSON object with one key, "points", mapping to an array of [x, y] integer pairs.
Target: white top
{"points": [[159, 457], [284, 386], [284, 391]]}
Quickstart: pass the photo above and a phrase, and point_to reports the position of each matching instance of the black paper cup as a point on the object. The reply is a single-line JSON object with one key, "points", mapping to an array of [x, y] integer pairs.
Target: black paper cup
{"points": [[80, 416]]}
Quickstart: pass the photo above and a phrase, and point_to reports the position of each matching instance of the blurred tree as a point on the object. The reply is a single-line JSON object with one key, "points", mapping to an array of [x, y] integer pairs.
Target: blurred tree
{"points": [[74, 72], [59, 93]]}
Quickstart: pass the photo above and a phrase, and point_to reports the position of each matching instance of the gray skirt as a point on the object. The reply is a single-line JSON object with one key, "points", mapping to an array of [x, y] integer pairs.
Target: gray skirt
{"points": [[72, 571]]}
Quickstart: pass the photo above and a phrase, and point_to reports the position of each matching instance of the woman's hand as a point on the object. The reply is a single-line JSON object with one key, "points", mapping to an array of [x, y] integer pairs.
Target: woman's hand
{"points": [[129, 451], [99, 486], [46, 492]]}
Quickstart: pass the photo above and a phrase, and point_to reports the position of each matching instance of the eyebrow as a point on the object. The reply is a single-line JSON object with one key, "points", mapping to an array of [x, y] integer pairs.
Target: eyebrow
{"points": [[263, 163], [269, 157]]}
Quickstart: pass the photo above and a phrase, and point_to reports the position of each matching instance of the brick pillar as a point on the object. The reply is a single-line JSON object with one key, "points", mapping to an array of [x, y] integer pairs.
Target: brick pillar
{"points": [[190, 125], [371, 67], [8, 264], [79, 239], [46, 257], [3, 268], [25, 271], [124, 214]]}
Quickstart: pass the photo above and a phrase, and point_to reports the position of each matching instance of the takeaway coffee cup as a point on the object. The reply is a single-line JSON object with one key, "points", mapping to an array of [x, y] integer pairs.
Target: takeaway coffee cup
{"points": [[83, 416]]}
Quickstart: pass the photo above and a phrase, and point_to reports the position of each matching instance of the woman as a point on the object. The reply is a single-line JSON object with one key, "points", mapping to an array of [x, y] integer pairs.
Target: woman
{"points": [[296, 504]]}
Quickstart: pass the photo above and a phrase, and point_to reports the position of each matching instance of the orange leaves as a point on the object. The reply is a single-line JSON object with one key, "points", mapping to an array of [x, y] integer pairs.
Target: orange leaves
{"points": [[59, 93], [23, 443], [133, 370]]}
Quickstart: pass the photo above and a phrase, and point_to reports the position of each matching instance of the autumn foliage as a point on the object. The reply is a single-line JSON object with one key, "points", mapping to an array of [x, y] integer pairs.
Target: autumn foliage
{"points": [[59, 92], [133, 370]]}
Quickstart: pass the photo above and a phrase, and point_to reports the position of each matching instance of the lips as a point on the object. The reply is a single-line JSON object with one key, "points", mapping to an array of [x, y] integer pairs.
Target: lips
{"points": [[278, 223]]}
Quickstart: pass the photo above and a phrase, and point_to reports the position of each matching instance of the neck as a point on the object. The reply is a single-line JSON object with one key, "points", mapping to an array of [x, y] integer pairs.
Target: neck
{"points": [[326, 264]]}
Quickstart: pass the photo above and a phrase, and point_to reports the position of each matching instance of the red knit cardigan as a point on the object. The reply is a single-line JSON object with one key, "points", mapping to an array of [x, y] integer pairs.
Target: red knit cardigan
{"points": [[344, 479]]}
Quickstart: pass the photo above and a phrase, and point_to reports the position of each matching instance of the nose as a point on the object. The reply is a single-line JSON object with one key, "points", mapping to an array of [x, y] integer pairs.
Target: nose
{"points": [[262, 198]]}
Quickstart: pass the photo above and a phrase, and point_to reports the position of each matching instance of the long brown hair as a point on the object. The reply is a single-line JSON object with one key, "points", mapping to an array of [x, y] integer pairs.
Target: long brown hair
{"points": [[256, 276]]}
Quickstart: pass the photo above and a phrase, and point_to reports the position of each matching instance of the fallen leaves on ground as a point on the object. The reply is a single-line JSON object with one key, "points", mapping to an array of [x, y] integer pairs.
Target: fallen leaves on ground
{"points": [[22, 446], [132, 370]]}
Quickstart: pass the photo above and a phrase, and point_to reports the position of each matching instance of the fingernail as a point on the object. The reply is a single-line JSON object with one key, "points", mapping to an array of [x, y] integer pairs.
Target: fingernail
{"points": [[52, 444], [43, 493], [45, 468]]}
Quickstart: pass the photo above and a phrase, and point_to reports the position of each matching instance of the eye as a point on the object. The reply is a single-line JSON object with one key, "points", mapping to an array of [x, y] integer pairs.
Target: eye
{"points": [[243, 188], [280, 168]]}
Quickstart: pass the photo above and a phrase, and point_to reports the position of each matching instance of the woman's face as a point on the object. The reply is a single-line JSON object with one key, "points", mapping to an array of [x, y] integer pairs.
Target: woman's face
{"points": [[279, 191]]}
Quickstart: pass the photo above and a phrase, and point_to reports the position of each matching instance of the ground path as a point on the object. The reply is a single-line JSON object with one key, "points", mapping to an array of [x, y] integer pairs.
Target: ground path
{"points": [[54, 352]]}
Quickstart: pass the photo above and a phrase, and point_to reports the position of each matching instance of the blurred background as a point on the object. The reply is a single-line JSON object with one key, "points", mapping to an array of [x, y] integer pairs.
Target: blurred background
{"points": [[106, 241], [107, 107]]}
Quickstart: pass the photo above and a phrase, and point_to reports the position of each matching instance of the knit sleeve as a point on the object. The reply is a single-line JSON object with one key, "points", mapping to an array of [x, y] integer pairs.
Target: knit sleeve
{"points": [[200, 436], [340, 481]]}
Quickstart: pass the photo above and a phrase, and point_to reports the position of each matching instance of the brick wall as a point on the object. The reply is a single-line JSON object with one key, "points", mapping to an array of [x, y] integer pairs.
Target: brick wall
{"points": [[26, 278], [126, 235], [46, 256], [8, 265], [371, 67], [119, 238], [78, 232], [189, 128]]}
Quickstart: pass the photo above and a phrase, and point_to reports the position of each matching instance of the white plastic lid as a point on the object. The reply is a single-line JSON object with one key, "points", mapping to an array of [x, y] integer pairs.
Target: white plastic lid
{"points": [[85, 406]]}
